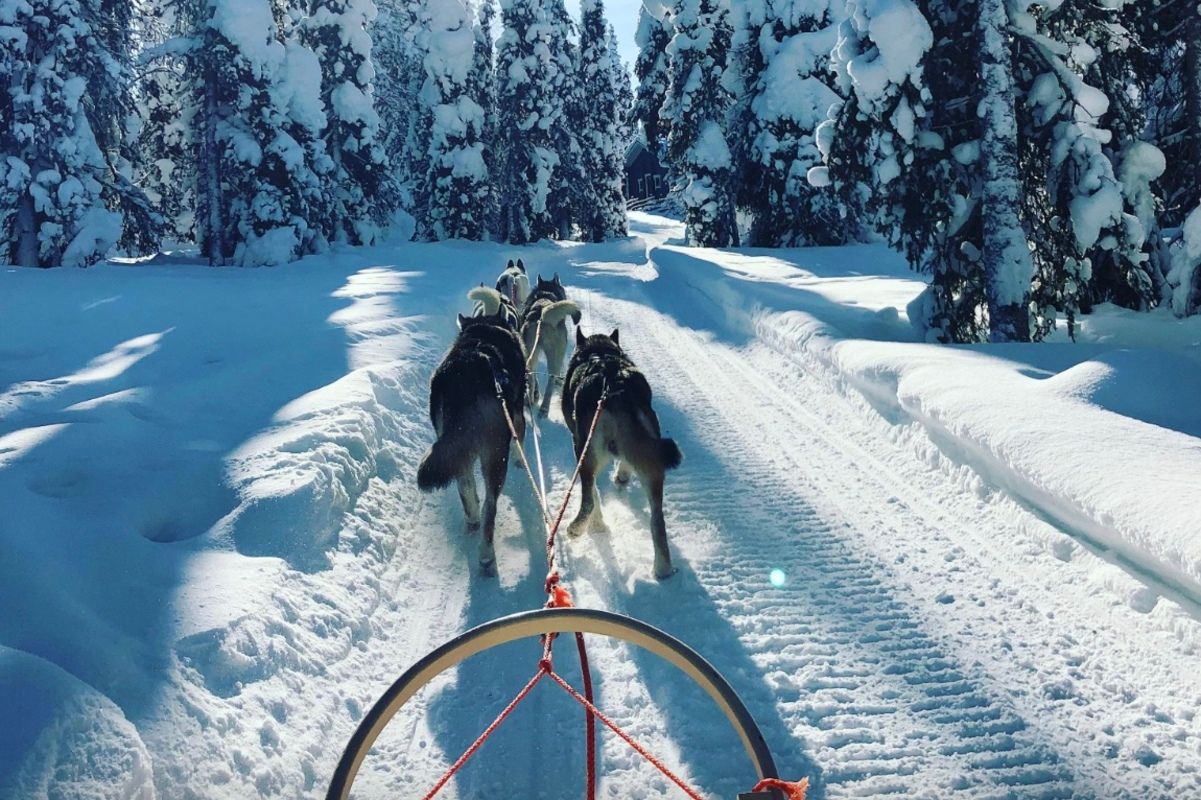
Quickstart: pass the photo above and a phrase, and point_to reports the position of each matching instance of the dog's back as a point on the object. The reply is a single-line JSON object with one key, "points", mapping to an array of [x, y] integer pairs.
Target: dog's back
{"points": [[514, 284], [629, 429], [464, 404]]}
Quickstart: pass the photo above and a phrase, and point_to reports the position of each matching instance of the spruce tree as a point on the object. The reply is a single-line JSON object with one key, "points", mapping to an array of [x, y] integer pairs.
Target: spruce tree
{"points": [[566, 190], [652, 69], [336, 31], [697, 105], [602, 210], [482, 83], [785, 51], [66, 189], [524, 90], [457, 174], [1006, 255], [399, 77], [627, 123]]}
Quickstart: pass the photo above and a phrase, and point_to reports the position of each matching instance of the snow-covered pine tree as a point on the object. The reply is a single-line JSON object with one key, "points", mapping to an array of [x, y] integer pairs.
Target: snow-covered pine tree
{"points": [[697, 105], [336, 31], [602, 213], [399, 77], [785, 46], [627, 123], [1006, 255], [457, 177], [258, 192], [65, 182], [1082, 242], [529, 112], [166, 163], [565, 195], [902, 151], [1169, 68], [483, 87], [652, 71]]}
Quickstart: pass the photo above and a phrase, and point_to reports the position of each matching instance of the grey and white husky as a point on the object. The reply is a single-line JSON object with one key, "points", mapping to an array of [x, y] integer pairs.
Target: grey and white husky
{"points": [[470, 423], [513, 283], [627, 430], [544, 331]]}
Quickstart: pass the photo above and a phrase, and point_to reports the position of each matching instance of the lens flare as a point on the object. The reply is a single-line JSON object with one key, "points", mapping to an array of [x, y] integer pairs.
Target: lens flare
{"points": [[776, 577]]}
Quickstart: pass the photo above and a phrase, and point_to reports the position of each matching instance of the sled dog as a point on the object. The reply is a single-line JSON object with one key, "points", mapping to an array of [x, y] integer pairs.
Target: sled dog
{"points": [[544, 331], [513, 283], [470, 422], [627, 430], [490, 302]]}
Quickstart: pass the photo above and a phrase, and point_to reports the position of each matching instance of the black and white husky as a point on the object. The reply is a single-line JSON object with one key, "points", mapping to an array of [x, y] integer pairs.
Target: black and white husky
{"points": [[627, 430], [513, 283], [470, 423], [544, 331], [490, 302]]}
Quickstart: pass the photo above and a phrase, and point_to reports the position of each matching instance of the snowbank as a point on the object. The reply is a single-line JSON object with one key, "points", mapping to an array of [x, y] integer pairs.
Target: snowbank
{"points": [[1100, 436]]}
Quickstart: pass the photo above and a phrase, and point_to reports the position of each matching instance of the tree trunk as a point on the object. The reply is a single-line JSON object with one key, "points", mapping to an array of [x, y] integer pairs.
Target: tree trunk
{"points": [[1007, 264], [27, 235], [1192, 95], [214, 238]]}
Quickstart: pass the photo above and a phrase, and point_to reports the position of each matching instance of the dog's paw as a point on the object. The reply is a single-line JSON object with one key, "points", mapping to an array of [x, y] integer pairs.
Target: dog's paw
{"points": [[488, 568], [621, 480], [472, 526], [664, 571], [576, 527]]}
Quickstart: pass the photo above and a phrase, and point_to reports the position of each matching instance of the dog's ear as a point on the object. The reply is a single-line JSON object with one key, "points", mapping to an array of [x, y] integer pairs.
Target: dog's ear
{"points": [[520, 266], [613, 336], [462, 319], [580, 338], [509, 265], [556, 280]]}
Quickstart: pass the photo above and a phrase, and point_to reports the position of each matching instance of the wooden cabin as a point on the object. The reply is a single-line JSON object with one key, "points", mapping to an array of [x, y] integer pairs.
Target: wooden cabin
{"points": [[646, 177]]}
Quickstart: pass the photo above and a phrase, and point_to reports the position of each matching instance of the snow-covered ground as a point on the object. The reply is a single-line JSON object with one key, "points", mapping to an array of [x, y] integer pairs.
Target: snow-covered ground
{"points": [[213, 556]]}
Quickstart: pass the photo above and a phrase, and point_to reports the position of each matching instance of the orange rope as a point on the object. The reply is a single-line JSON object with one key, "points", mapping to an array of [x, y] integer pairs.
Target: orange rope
{"points": [[470, 751], [625, 737]]}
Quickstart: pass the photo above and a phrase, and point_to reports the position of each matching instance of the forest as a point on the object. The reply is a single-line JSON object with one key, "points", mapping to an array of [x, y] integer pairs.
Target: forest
{"points": [[1032, 159]]}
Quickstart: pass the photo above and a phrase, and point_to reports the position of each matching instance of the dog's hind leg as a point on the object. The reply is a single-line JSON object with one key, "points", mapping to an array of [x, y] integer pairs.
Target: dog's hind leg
{"points": [[470, 497], [555, 350], [654, 488], [589, 517], [495, 464]]}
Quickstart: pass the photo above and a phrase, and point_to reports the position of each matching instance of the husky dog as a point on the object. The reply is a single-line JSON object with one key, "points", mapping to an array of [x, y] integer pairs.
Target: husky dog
{"points": [[490, 302], [544, 330], [513, 283], [470, 422], [627, 430]]}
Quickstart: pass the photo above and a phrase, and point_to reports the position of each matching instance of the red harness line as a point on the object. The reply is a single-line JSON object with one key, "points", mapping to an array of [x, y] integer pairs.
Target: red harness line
{"points": [[559, 597]]}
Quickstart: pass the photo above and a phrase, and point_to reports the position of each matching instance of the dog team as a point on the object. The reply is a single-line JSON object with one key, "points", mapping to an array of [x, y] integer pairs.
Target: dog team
{"points": [[479, 391]]}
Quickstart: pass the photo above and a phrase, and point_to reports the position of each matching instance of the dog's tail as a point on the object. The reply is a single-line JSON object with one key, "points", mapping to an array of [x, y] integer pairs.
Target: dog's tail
{"points": [[670, 453], [558, 311], [445, 461], [488, 299]]}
